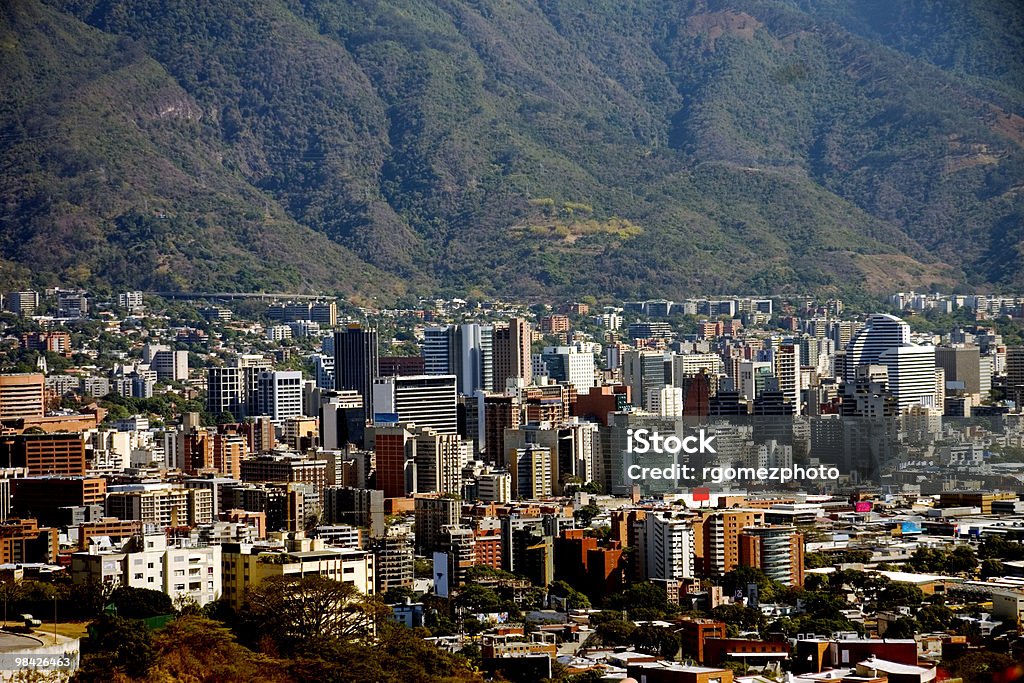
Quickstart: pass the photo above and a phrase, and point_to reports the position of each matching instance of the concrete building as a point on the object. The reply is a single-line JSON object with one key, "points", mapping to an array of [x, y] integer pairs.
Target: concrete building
{"points": [[569, 365], [21, 395], [186, 574], [246, 565], [885, 340], [164, 505], [358, 507], [287, 469], [664, 547], [466, 351], [512, 354], [643, 371], [777, 550], [426, 400], [279, 394]]}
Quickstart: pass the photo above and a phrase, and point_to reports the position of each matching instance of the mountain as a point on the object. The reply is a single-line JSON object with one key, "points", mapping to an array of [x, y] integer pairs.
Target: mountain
{"points": [[536, 148]]}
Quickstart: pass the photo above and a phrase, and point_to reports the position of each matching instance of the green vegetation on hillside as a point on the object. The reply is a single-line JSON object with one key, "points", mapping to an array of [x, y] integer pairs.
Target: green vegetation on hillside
{"points": [[643, 148]]}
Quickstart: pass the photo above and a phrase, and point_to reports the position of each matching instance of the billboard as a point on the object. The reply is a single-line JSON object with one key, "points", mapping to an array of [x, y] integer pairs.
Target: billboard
{"points": [[862, 506], [441, 575]]}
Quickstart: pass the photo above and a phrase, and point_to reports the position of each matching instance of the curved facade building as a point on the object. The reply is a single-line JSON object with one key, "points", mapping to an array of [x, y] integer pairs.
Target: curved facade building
{"points": [[885, 340]]}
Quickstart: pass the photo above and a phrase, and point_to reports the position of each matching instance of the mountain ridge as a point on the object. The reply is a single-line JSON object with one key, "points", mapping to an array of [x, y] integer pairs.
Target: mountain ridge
{"points": [[378, 148]]}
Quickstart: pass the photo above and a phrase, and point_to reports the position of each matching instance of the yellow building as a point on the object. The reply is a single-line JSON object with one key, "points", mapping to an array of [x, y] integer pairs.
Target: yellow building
{"points": [[245, 565]]}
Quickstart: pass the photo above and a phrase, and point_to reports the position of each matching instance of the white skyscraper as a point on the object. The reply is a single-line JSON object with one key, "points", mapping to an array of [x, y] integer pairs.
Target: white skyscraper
{"points": [[466, 351], [571, 365], [881, 333], [885, 340], [426, 400], [280, 394], [665, 547], [666, 401], [786, 367]]}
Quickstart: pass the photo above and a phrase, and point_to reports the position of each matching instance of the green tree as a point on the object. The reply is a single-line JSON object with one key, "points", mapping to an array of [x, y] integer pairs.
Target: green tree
{"points": [[141, 603], [586, 514], [655, 640], [310, 611], [992, 567], [573, 598], [935, 618], [193, 648], [743, 617], [901, 595], [116, 645], [477, 598], [617, 632], [903, 627]]}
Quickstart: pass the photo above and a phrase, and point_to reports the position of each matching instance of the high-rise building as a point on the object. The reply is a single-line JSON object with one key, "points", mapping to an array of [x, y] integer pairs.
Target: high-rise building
{"points": [[962, 364], [342, 420], [279, 394], [59, 453], [426, 400], [432, 513], [358, 507], [786, 367], [391, 366], [753, 377], [22, 303], [436, 350], [569, 365], [512, 354], [532, 471], [643, 371], [664, 547], [777, 550], [885, 340], [717, 538], [500, 412], [21, 395], [842, 332], [169, 364], [161, 504], [234, 388], [356, 362], [685, 365], [225, 391], [666, 401], [394, 447], [881, 333], [1015, 373], [439, 460], [466, 351], [395, 562], [323, 370], [290, 469]]}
